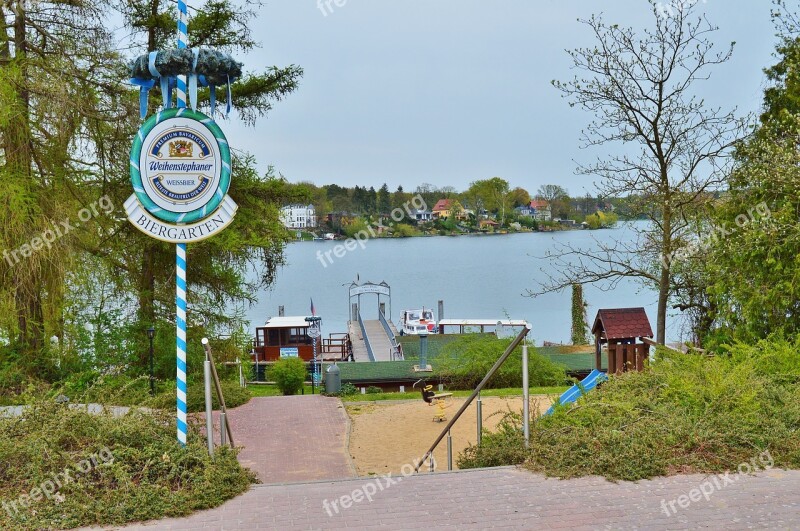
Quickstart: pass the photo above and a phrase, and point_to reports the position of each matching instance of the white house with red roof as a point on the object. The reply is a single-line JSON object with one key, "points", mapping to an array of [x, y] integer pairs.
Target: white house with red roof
{"points": [[540, 210]]}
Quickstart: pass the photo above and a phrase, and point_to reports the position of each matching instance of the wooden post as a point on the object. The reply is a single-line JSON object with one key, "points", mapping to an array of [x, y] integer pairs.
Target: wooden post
{"points": [[598, 357], [641, 352], [612, 357]]}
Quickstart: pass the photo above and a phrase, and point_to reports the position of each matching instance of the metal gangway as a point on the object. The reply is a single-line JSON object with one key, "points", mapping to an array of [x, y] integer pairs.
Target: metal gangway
{"points": [[374, 339]]}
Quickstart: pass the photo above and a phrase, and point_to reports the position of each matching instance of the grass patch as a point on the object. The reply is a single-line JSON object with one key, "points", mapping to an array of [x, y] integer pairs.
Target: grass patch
{"points": [[141, 473], [416, 395], [685, 414]]}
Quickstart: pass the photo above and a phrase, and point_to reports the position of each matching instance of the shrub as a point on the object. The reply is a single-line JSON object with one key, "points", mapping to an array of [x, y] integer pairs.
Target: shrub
{"points": [[500, 448], [372, 390], [289, 375], [122, 390], [233, 394], [139, 472], [464, 362], [348, 389], [686, 414]]}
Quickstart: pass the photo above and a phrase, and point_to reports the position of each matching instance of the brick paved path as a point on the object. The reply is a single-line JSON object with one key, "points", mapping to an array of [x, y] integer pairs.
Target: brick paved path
{"points": [[507, 498], [292, 438]]}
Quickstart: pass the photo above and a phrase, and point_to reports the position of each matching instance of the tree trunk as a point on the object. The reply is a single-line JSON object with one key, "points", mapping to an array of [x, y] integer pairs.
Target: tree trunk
{"points": [[663, 282], [17, 144]]}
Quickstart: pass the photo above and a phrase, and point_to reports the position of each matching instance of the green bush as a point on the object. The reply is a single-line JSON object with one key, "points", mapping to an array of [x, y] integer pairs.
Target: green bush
{"points": [[500, 448], [121, 390], [234, 395], [196, 397], [289, 375], [686, 413], [348, 389], [372, 390], [463, 363], [139, 471]]}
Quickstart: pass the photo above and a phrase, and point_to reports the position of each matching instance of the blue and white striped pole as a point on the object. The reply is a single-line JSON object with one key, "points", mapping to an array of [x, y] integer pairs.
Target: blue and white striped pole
{"points": [[180, 259], [180, 299]]}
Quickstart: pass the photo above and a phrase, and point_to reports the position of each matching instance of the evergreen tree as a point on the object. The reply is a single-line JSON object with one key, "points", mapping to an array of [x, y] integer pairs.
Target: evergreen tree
{"points": [[384, 200]]}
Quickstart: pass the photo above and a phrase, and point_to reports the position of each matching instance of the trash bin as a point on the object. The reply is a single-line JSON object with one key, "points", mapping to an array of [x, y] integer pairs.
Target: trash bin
{"points": [[333, 380]]}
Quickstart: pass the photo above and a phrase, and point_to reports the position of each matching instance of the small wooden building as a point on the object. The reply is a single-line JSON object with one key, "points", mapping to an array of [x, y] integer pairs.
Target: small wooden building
{"points": [[284, 337], [619, 329]]}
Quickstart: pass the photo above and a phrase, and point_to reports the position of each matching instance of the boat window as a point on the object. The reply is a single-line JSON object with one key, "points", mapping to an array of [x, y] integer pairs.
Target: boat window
{"points": [[273, 337], [413, 316], [428, 316], [299, 336]]}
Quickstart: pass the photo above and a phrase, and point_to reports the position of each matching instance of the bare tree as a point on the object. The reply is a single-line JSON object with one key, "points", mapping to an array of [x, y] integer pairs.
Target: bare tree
{"points": [[672, 146], [551, 192]]}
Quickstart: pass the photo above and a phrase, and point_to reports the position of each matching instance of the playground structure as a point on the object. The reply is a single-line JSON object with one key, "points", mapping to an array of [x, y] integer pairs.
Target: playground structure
{"points": [[439, 400], [578, 390], [619, 329]]}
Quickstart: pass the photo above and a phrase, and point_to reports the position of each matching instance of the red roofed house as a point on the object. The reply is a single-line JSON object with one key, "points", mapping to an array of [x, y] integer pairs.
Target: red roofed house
{"points": [[541, 210], [445, 208], [619, 328]]}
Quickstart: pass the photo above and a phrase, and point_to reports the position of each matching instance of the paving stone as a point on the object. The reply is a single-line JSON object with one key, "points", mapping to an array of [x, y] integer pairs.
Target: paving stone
{"points": [[508, 498]]}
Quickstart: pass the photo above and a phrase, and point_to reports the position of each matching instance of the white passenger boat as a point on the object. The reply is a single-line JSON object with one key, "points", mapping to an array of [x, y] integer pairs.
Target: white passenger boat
{"points": [[416, 322]]}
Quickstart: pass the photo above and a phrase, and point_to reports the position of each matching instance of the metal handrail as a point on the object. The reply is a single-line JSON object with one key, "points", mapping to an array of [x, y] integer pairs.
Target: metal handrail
{"points": [[366, 337], [385, 323], [499, 363], [392, 337]]}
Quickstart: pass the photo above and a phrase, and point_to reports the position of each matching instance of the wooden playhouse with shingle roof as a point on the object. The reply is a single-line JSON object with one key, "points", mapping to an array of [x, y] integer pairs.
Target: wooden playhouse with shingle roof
{"points": [[619, 329]]}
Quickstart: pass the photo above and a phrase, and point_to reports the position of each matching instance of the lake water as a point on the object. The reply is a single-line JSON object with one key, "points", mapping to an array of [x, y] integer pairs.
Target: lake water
{"points": [[477, 277]]}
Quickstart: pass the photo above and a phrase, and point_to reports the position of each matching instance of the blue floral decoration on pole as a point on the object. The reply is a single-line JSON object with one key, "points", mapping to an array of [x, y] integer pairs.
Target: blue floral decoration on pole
{"points": [[202, 67]]}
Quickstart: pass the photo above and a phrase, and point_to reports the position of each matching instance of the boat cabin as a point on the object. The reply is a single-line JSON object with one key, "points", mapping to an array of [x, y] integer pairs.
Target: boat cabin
{"points": [[284, 337], [415, 322]]}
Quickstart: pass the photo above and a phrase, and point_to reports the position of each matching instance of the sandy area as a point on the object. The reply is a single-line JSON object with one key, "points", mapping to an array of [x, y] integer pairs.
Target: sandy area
{"points": [[387, 435]]}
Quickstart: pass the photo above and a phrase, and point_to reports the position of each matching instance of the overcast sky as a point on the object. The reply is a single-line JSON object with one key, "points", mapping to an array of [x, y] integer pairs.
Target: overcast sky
{"points": [[451, 91]]}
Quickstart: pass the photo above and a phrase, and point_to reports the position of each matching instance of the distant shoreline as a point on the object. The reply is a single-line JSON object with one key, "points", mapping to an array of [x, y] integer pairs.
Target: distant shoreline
{"points": [[477, 234]]}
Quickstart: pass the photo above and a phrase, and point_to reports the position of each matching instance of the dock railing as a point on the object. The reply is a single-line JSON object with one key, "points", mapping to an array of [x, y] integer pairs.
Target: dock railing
{"points": [[394, 352], [366, 338], [499, 363], [335, 347]]}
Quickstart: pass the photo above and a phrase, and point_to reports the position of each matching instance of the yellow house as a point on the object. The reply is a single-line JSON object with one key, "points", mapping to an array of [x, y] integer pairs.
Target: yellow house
{"points": [[446, 208]]}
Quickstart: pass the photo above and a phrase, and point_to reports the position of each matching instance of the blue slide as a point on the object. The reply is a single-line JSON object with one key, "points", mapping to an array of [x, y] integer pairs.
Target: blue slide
{"points": [[573, 393]]}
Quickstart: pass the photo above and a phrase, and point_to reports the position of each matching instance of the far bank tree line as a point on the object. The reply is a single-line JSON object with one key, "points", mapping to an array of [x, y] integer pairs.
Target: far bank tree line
{"points": [[490, 198]]}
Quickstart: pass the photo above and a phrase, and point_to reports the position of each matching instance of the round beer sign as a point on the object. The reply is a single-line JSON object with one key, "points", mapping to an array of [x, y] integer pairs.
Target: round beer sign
{"points": [[180, 166]]}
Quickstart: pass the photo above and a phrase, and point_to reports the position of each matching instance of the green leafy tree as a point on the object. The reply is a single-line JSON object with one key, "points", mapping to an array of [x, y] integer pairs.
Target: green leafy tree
{"points": [[519, 197], [492, 194], [73, 159], [62, 103], [752, 273]]}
